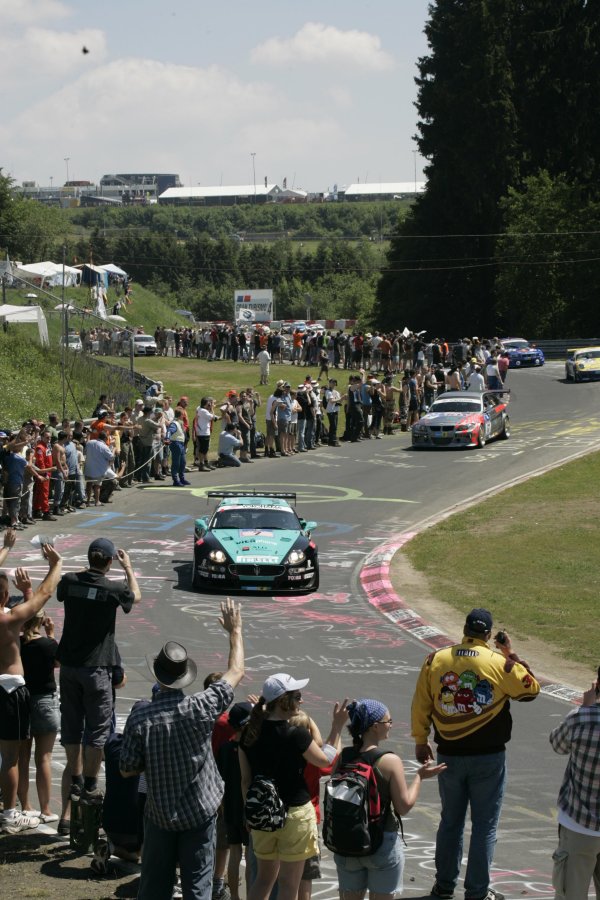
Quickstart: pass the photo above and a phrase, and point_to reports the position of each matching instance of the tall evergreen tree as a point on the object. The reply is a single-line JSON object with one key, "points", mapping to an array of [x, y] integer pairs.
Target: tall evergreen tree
{"points": [[440, 272]]}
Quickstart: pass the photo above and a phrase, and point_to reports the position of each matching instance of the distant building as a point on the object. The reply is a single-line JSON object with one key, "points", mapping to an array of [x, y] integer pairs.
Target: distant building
{"points": [[393, 190], [221, 195], [136, 188]]}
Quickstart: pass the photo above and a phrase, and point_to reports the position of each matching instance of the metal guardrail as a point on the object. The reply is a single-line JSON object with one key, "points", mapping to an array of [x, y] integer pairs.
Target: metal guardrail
{"points": [[558, 349]]}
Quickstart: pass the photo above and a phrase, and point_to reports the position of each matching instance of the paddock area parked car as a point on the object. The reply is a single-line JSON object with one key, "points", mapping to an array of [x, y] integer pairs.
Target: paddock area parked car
{"points": [[522, 353], [144, 345], [463, 419], [255, 542], [583, 364]]}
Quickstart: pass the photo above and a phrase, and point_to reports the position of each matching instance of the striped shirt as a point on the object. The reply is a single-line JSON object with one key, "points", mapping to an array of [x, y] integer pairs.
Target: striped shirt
{"points": [[170, 741], [578, 735]]}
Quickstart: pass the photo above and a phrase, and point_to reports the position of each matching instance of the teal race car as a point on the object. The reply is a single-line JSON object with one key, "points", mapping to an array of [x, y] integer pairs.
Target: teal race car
{"points": [[255, 542]]}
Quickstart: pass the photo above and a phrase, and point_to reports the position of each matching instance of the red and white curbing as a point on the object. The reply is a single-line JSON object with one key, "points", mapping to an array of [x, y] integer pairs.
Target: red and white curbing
{"points": [[377, 585]]}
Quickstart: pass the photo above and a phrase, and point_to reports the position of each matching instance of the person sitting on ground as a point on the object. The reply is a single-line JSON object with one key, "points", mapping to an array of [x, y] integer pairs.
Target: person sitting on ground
{"points": [[14, 696]]}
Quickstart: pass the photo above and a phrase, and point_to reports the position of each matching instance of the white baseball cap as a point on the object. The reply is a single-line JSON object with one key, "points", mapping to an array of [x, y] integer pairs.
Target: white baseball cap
{"points": [[277, 685]]}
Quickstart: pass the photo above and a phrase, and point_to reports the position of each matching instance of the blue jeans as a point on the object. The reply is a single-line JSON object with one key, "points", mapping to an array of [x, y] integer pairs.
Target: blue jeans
{"points": [[177, 461], [478, 781], [194, 851], [301, 431]]}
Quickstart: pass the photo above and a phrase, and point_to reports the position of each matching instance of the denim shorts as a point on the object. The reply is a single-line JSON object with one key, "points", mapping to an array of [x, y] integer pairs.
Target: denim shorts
{"points": [[44, 714], [380, 873]]}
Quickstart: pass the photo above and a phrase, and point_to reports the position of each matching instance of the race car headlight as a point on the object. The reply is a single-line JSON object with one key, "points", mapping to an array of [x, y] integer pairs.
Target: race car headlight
{"points": [[217, 556], [581, 365], [296, 556], [419, 429]]}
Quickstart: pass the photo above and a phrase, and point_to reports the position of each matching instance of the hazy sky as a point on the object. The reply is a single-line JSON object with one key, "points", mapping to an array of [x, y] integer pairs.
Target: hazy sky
{"points": [[322, 92]]}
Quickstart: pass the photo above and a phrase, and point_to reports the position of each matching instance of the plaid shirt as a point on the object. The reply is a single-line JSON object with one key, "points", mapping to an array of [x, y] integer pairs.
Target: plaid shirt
{"points": [[170, 741], [579, 736]]}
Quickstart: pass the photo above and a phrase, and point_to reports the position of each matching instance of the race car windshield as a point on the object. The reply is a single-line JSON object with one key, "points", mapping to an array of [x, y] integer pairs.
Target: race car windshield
{"points": [[456, 406], [256, 519], [516, 345], [591, 354]]}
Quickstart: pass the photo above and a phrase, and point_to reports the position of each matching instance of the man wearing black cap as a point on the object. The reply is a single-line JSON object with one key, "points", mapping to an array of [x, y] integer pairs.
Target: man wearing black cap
{"points": [[170, 741], [464, 691], [87, 653]]}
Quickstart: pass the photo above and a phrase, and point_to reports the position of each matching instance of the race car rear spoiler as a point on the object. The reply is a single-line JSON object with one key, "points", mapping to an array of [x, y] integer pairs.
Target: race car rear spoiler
{"points": [[254, 493]]}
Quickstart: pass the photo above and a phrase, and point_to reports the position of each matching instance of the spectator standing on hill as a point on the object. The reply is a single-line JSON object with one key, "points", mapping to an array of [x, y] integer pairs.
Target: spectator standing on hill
{"points": [[577, 858], [464, 692], [98, 460], [170, 741], [41, 489], [61, 472], [87, 654], [176, 437], [264, 360], [14, 696]]}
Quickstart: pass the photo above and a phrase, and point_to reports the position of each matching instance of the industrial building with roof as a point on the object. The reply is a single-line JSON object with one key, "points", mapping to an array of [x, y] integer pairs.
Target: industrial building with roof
{"points": [[390, 190], [220, 195]]}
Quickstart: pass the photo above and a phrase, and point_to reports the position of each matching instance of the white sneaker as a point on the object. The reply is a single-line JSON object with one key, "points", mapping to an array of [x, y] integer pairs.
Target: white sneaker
{"points": [[46, 819], [18, 821]]}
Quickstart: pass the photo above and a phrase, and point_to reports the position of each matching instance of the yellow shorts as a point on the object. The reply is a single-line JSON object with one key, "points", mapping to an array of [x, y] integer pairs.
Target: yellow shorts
{"points": [[297, 840]]}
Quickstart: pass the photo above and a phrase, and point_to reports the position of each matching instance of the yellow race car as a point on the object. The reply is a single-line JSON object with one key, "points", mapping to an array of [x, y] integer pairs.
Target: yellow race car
{"points": [[582, 364]]}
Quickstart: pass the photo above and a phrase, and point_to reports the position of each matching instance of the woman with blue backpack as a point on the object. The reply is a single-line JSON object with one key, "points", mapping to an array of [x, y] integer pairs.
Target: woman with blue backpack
{"points": [[364, 800], [278, 807]]}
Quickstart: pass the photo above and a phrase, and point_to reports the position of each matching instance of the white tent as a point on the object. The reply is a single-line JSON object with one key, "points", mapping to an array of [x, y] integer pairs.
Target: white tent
{"points": [[48, 272], [28, 314], [113, 270]]}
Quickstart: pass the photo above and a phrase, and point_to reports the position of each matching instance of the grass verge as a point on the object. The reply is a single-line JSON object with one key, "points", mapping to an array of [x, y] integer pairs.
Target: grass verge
{"points": [[530, 554]]}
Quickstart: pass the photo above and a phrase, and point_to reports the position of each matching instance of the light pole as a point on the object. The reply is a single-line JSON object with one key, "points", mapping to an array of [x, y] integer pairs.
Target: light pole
{"points": [[51, 182], [415, 158], [67, 158], [253, 155]]}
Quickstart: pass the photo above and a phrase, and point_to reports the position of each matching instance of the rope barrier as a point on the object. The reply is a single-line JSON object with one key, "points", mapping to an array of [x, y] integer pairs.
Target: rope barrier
{"points": [[75, 480]]}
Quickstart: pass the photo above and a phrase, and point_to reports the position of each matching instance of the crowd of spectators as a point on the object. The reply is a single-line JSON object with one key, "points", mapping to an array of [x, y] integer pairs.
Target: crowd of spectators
{"points": [[51, 468], [185, 782]]}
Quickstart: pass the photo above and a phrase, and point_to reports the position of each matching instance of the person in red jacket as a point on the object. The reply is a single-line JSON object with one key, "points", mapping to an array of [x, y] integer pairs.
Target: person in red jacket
{"points": [[312, 777], [41, 489]]}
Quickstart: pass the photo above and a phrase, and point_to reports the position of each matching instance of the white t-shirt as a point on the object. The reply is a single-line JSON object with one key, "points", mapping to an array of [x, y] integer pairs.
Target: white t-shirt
{"points": [[476, 382], [332, 398], [203, 421], [264, 357]]}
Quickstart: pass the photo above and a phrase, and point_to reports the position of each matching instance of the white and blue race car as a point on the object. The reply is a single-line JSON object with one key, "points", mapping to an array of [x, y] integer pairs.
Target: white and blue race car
{"points": [[255, 542]]}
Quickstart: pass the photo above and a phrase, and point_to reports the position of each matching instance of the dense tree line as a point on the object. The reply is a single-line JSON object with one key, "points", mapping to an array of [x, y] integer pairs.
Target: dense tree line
{"points": [[28, 231], [299, 220], [509, 115], [202, 273]]}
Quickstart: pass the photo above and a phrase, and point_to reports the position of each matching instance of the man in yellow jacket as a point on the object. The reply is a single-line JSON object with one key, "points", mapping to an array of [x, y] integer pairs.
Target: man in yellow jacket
{"points": [[464, 691]]}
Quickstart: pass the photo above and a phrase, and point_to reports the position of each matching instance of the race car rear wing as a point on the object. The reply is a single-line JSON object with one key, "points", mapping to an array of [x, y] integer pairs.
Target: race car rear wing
{"points": [[253, 493]]}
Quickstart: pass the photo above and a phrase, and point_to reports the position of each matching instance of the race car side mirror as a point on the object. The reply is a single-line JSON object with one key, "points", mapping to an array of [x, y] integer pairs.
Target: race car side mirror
{"points": [[200, 525], [308, 526]]}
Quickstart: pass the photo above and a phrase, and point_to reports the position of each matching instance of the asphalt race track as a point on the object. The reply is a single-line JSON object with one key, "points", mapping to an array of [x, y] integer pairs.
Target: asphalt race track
{"points": [[363, 495]]}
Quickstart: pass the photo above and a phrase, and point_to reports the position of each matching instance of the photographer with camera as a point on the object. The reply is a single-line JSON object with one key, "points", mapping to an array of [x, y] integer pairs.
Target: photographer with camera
{"points": [[464, 691], [230, 440], [577, 857]]}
